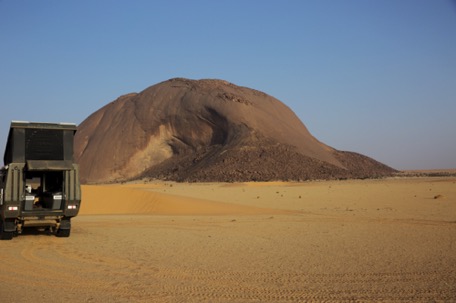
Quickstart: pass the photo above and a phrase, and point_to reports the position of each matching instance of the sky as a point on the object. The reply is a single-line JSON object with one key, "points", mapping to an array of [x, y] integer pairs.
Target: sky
{"points": [[373, 77]]}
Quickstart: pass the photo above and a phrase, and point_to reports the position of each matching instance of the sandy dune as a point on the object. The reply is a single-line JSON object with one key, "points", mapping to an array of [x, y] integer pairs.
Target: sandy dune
{"points": [[387, 240]]}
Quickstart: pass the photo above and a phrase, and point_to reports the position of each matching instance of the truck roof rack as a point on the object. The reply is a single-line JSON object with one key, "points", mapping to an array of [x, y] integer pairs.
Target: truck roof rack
{"points": [[47, 125], [39, 141]]}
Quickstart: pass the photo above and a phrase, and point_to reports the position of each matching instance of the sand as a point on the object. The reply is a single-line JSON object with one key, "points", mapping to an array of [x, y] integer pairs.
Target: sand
{"points": [[388, 240]]}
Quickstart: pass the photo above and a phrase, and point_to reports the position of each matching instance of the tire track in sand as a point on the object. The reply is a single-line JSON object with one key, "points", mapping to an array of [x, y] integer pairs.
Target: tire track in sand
{"points": [[279, 287], [44, 264]]}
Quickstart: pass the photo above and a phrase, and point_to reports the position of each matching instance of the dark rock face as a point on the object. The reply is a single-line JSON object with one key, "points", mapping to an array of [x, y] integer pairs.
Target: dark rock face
{"points": [[207, 130]]}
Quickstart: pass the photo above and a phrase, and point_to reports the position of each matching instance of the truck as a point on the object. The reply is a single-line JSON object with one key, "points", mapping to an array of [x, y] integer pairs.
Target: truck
{"points": [[39, 182]]}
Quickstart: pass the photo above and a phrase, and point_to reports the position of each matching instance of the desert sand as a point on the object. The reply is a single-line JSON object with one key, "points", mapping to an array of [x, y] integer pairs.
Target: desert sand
{"points": [[389, 240]]}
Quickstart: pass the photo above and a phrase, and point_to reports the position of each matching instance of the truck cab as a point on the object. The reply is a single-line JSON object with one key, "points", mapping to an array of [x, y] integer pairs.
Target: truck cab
{"points": [[39, 184]]}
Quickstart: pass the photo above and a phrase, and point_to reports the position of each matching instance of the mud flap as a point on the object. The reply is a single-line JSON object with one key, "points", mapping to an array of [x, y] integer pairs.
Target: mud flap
{"points": [[9, 226], [7, 229], [65, 224], [64, 228]]}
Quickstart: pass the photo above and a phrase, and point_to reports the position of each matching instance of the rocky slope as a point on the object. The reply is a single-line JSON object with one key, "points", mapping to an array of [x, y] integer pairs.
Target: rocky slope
{"points": [[207, 130]]}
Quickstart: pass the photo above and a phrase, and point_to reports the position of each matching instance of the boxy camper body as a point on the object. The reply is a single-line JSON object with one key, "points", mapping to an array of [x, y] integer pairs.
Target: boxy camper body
{"points": [[39, 184]]}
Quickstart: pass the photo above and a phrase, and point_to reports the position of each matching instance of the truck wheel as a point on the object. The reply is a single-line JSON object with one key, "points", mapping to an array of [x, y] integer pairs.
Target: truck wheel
{"points": [[64, 229], [5, 235], [63, 233]]}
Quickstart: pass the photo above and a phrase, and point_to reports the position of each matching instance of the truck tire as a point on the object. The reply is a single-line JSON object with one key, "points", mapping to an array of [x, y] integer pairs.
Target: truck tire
{"points": [[64, 229], [63, 233], [5, 235]]}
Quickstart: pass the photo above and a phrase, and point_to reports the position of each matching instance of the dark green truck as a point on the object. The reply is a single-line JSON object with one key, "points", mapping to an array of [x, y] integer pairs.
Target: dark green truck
{"points": [[39, 184]]}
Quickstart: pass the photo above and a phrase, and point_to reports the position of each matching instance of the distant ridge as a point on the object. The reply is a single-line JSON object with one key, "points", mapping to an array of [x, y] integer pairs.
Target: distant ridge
{"points": [[207, 130]]}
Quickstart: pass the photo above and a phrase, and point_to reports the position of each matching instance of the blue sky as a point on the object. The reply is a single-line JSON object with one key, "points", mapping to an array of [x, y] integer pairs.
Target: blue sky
{"points": [[375, 77]]}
